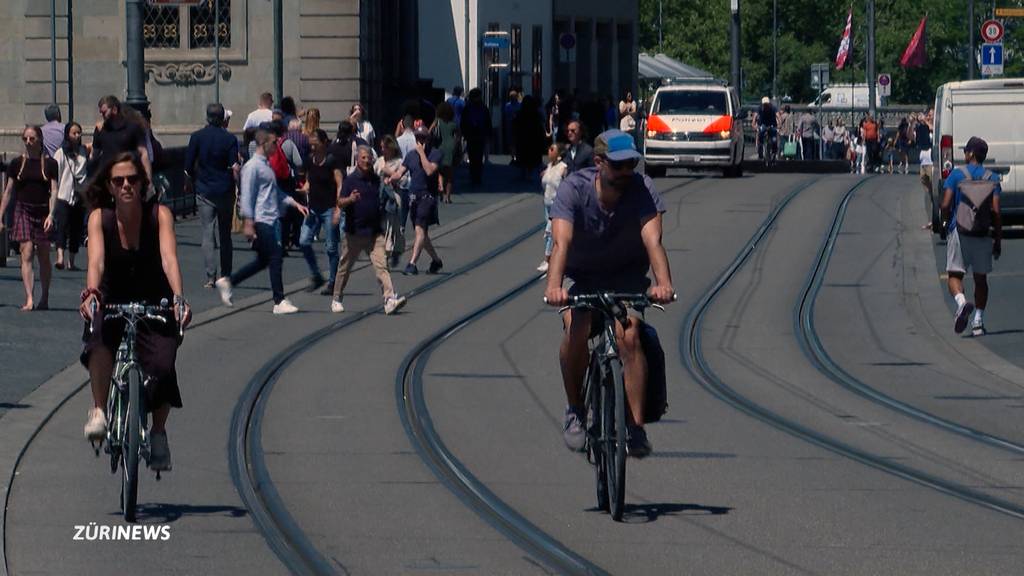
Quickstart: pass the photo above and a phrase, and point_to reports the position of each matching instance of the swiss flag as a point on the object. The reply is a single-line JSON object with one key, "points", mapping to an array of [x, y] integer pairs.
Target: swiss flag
{"points": [[915, 54]]}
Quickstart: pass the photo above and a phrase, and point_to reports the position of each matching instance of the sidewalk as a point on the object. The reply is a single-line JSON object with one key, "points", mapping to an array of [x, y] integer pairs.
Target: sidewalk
{"points": [[37, 345]]}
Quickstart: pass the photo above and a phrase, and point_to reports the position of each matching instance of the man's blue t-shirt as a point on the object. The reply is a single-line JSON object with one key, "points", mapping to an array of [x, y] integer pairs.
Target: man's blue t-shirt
{"points": [[607, 251], [213, 151], [362, 218], [953, 181], [419, 183]]}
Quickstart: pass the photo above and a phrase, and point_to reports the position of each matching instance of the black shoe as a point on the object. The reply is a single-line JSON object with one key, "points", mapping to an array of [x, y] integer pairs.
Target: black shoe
{"points": [[315, 282], [637, 444], [410, 270], [393, 261], [327, 290], [435, 267]]}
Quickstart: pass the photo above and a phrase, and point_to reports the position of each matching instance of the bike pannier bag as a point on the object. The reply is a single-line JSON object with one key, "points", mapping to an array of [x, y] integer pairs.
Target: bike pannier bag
{"points": [[974, 211], [656, 401]]}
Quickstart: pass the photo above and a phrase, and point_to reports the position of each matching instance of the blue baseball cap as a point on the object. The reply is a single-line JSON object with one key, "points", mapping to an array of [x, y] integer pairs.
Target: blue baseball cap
{"points": [[615, 145]]}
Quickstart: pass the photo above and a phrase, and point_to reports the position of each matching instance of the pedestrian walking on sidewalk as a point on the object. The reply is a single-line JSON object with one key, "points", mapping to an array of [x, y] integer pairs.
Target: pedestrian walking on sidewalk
{"points": [[396, 198], [323, 182], [447, 140], [421, 164], [211, 161], [261, 207], [32, 182], [263, 112], [551, 178], [360, 199], [476, 129], [69, 225], [970, 203], [53, 130]]}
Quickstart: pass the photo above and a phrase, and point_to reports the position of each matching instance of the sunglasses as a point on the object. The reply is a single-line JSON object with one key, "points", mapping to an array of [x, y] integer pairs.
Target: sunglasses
{"points": [[623, 164], [118, 181]]}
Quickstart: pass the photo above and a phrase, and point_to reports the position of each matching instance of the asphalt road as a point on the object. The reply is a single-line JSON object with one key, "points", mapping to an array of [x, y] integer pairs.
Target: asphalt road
{"points": [[723, 492]]}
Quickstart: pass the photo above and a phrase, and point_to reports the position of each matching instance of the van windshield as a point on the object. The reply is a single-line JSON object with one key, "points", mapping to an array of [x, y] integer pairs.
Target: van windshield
{"points": [[691, 102]]}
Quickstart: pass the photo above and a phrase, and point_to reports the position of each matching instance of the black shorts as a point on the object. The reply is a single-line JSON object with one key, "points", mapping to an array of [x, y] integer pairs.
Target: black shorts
{"points": [[424, 211], [156, 345]]}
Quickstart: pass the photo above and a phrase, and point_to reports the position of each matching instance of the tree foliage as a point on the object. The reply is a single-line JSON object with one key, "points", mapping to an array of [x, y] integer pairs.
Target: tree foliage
{"points": [[809, 31]]}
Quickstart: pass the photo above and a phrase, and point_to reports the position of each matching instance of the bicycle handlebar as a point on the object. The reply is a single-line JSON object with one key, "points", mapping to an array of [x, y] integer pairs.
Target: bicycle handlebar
{"points": [[637, 301], [136, 311]]}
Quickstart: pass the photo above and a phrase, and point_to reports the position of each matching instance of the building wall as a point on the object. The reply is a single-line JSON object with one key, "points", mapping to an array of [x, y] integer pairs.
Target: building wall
{"points": [[322, 64]]}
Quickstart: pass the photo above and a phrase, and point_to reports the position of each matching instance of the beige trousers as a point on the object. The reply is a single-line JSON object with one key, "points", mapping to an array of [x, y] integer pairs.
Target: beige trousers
{"points": [[352, 247]]}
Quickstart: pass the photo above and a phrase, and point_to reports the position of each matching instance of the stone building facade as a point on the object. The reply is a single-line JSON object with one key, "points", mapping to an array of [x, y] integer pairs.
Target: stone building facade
{"points": [[334, 56]]}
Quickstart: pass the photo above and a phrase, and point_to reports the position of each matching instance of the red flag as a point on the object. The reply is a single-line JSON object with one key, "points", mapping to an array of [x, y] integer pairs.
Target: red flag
{"points": [[844, 45], [915, 54]]}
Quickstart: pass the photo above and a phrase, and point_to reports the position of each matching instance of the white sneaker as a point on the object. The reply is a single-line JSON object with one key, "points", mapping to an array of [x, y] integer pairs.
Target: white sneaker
{"points": [[543, 266], [392, 305], [337, 307], [224, 287], [963, 314], [977, 328], [285, 307], [96, 425]]}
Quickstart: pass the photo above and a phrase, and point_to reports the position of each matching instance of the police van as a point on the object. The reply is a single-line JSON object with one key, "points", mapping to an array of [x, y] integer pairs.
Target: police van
{"points": [[695, 124], [994, 111]]}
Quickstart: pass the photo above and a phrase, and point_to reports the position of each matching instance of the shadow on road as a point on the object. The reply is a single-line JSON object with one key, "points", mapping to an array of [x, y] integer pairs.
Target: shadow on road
{"points": [[644, 513], [161, 513]]}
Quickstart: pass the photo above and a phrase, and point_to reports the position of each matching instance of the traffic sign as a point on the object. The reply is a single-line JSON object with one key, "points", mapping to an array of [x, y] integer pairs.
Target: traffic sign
{"points": [[495, 40], [992, 31], [991, 59], [884, 85], [1009, 12]]}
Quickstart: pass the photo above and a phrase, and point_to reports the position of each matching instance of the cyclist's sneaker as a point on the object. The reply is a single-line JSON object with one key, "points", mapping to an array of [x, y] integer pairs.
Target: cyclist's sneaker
{"points": [[963, 314], [394, 304], [435, 267], [573, 433], [96, 425], [637, 444], [337, 307], [285, 307], [977, 328], [410, 270], [224, 287], [159, 452]]}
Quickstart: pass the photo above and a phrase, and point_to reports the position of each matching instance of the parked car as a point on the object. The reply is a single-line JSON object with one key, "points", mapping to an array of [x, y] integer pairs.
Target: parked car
{"points": [[696, 124], [992, 110]]}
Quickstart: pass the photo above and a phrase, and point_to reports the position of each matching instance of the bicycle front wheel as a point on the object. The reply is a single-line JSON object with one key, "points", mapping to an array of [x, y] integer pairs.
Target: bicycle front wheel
{"points": [[596, 432], [614, 418], [130, 449]]}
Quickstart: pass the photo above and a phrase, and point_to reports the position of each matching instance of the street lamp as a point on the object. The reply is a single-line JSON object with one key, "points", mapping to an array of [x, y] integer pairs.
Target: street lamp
{"points": [[136, 56]]}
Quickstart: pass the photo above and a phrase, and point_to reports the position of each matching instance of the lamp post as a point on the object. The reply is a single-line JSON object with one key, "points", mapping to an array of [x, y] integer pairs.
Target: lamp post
{"points": [[871, 57], [136, 56], [971, 64], [735, 9], [775, 46], [278, 52]]}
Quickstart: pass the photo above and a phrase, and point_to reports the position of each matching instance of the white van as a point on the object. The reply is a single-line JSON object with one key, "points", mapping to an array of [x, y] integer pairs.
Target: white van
{"points": [[846, 96], [994, 111], [696, 124]]}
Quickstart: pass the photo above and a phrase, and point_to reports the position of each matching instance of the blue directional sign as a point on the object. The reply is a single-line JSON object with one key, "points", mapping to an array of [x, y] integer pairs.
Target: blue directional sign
{"points": [[991, 59]]}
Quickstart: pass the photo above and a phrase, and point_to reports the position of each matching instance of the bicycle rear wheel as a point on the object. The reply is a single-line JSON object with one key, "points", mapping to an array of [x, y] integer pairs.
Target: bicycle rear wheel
{"points": [[130, 448], [595, 431], [614, 418]]}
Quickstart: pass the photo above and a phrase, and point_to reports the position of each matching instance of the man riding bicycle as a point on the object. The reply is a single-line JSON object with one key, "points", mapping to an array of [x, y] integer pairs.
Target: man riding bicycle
{"points": [[606, 227], [133, 257], [766, 118]]}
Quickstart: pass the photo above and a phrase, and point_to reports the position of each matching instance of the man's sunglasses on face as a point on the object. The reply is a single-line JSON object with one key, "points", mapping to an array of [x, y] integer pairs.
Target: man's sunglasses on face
{"points": [[623, 164]]}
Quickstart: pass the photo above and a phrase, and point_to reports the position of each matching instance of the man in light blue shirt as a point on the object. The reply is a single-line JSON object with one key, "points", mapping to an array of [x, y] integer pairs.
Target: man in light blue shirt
{"points": [[971, 245], [261, 206]]}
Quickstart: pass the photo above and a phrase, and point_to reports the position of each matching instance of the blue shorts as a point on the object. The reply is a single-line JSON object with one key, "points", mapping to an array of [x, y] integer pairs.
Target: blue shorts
{"points": [[424, 211]]}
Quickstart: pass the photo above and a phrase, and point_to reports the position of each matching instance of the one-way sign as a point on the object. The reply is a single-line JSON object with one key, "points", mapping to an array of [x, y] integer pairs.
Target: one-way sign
{"points": [[991, 59]]}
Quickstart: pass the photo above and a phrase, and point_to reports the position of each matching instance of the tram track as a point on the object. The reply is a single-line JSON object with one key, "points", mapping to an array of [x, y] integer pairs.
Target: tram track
{"points": [[248, 467], [692, 354]]}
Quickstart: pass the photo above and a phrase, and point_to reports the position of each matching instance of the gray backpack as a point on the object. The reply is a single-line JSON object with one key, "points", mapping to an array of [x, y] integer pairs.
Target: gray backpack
{"points": [[974, 212]]}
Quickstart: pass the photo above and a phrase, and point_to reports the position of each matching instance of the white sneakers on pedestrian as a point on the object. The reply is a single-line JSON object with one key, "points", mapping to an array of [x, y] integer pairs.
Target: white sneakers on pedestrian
{"points": [[543, 266], [96, 425], [393, 304], [337, 307], [224, 288], [285, 307]]}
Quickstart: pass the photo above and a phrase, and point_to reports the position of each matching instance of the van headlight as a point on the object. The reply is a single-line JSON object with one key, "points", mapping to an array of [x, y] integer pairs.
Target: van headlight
{"points": [[725, 134]]}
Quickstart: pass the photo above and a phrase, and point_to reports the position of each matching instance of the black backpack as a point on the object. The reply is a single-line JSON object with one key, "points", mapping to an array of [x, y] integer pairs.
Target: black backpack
{"points": [[656, 401]]}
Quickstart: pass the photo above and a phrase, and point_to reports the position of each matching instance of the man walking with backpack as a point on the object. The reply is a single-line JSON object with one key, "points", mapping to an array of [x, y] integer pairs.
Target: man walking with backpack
{"points": [[970, 203]]}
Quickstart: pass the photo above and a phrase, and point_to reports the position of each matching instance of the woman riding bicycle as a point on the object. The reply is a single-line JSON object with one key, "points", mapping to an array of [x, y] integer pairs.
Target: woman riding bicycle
{"points": [[133, 257]]}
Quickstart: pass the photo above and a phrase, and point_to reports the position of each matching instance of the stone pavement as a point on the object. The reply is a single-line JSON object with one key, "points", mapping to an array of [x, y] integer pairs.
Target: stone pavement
{"points": [[36, 345]]}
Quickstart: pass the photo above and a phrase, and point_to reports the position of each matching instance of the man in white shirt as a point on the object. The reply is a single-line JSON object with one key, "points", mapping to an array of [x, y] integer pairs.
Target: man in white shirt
{"points": [[263, 113]]}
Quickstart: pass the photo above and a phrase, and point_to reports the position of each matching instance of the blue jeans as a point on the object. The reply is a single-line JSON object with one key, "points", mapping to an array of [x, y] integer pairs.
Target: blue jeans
{"points": [[269, 253], [311, 226], [548, 240]]}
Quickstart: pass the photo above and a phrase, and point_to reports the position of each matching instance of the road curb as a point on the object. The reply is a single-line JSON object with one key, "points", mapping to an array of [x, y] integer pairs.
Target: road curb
{"points": [[19, 426], [933, 312]]}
